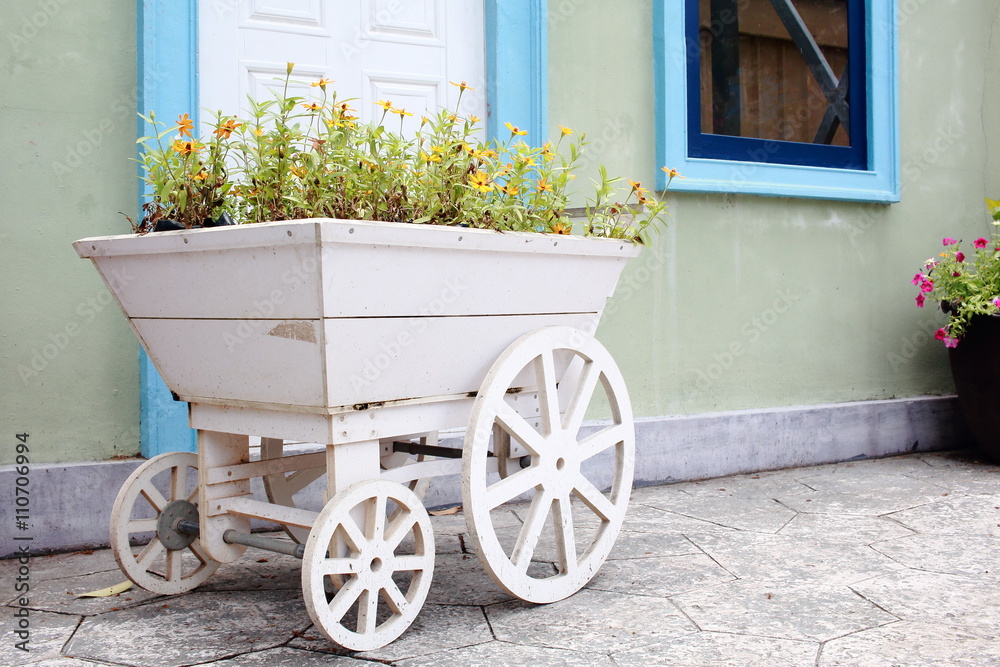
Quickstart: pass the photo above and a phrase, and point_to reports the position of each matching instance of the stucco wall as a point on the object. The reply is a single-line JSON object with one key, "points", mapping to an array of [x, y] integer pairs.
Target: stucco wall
{"points": [[749, 302], [67, 113]]}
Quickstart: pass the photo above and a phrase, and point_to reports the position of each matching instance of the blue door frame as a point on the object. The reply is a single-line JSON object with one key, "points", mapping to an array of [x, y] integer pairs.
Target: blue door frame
{"points": [[517, 92]]}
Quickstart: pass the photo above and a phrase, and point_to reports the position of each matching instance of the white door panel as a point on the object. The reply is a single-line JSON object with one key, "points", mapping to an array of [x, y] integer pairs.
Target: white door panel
{"points": [[403, 51]]}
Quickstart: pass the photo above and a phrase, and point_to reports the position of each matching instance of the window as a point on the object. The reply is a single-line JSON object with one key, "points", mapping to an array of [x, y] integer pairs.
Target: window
{"points": [[779, 97]]}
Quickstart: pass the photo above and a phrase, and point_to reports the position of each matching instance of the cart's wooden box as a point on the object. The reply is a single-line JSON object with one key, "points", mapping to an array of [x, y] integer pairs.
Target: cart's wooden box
{"points": [[316, 315]]}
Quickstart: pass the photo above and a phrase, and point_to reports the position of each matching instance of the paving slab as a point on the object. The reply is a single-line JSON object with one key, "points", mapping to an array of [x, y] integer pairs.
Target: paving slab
{"points": [[660, 577], [914, 645], [49, 633], [590, 621], [783, 610], [191, 628], [503, 654], [844, 529], [720, 648], [936, 598], [969, 555]]}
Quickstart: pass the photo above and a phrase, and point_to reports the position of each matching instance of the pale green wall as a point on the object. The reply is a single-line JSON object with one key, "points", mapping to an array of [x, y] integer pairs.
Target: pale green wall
{"points": [[67, 122], [813, 296]]}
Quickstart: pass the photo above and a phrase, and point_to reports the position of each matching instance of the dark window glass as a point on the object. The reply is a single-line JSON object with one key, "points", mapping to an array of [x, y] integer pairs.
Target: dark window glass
{"points": [[778, 81]]}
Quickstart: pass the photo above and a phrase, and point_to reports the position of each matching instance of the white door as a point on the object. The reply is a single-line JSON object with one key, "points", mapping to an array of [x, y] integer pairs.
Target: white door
{"points": [[403, 51]]}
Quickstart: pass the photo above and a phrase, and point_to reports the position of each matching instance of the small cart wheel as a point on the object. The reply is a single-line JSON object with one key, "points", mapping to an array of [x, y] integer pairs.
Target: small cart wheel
{"points": [[157, 494], [537, 394], [357, 556]]}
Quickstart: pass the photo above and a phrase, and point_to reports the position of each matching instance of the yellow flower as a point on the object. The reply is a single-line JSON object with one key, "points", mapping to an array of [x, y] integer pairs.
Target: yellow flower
{"points": [[480, 181], [312, 106], [543, 185], [429, 158], [565, 130], [515, 131], [463, 86], [289, 67], [510, 189], [401, 112], [560, 227], [201, 175], [672, 173], [225, 129], [184, 125], [257, 131], [298, 171], [384, 104], [322, 83], [185, 147], [474, 119], [467, 148]]}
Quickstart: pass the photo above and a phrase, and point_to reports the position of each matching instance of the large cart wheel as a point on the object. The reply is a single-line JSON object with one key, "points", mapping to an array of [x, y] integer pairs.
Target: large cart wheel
{"points": [[158, 494], [537, 394], [281, 488], [357, 556]]}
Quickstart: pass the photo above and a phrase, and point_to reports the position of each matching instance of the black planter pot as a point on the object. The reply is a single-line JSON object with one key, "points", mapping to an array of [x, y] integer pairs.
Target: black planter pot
{"points": [[975, 366]]}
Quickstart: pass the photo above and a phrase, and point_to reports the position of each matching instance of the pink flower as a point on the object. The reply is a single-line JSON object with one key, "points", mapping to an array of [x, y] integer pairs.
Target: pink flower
{"points": [[951, 342], [959, 257], [920, 300], [946, 241], [996, 302], [917, 279], [980, 242], [927, 286]]}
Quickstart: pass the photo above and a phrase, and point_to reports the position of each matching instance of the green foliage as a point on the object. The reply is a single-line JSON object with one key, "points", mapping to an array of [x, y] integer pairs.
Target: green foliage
{"points": [[967, 287], [293, 158]]}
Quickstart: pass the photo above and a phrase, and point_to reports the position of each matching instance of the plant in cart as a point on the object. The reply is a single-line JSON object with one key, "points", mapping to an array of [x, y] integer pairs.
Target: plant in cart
{"points": [[298, 158]]}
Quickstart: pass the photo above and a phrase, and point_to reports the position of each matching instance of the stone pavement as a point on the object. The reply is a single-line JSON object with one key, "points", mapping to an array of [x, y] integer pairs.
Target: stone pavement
{"points": [[877, 562]]}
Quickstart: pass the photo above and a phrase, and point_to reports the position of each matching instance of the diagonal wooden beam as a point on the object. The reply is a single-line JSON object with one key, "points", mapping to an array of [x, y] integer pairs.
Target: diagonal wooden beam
{"points": [[726, 106], [815, 60]]}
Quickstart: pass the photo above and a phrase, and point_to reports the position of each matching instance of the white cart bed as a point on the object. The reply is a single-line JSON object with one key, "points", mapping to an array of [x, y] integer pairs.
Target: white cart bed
{"points": [[368, 338]]}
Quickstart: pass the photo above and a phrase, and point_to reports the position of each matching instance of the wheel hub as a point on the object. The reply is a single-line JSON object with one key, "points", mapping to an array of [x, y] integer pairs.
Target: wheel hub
{"points": [[166, 524]]}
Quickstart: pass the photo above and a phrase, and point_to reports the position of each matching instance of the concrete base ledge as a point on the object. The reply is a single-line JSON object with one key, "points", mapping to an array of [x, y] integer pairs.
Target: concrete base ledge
{"points": [[71, 503]]}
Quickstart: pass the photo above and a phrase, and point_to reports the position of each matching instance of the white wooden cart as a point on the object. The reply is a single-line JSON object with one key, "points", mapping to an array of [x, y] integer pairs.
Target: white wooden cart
{"points": [[368, 338]]}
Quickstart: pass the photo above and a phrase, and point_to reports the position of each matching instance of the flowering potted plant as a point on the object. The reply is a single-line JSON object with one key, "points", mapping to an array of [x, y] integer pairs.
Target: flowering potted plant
{"points": [[968, 288]]}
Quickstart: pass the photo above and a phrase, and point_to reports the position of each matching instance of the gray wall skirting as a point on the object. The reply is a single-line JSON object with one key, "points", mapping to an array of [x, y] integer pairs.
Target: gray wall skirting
{"points": [[71, 503]]}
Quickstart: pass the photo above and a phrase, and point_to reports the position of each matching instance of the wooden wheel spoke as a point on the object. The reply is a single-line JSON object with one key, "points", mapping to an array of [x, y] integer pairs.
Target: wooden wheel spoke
{"points": [[353, 533], [375, 518], [604, 439], [527, 538], [153, 496], [394, 597], [345, 599], [399, 528], [412, 563], [141, 526], [565, 535], [178, 482], [513, 486], [331, 566], [175, 564], [579, 401], [199, 553], [548, 395], [150, 553], [193, 496], [594, 499], [367, 611], [520, 429]]}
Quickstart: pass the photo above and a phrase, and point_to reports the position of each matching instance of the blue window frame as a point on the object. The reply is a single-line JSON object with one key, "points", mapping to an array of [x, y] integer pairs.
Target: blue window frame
{"points": [[849, 150]]}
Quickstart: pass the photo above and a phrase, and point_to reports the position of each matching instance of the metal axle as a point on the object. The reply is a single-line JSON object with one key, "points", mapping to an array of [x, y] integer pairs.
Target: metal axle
{"points": [[247, 539]]}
